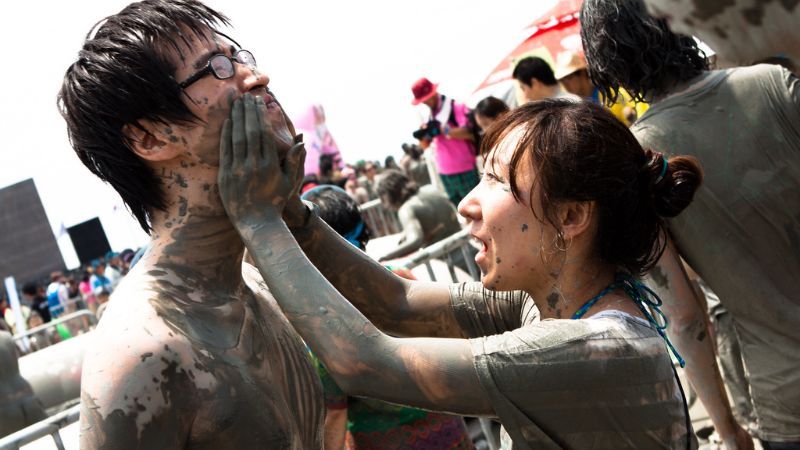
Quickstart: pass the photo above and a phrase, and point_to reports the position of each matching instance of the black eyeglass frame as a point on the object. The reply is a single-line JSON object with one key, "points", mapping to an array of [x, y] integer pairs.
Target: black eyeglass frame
{"points": [[209, 69]]}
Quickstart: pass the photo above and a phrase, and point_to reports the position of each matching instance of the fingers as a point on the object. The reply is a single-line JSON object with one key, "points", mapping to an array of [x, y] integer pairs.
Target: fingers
{"points": [[239, 138], [269, 152], [225, 157], [252, 126], [294, 160], [290, 125], [300, 171], [265, 144]]}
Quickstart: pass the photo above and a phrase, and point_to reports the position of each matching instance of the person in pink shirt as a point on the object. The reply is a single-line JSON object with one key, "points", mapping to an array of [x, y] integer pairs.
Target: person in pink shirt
{"points": [[449, 129]]}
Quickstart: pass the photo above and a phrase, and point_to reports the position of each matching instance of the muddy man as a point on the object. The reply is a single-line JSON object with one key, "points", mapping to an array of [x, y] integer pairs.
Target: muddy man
{"points": [[192, 351]]}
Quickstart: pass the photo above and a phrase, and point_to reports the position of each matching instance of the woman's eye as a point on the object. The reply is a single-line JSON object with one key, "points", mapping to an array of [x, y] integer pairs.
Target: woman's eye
{"points": [[493, 177]]}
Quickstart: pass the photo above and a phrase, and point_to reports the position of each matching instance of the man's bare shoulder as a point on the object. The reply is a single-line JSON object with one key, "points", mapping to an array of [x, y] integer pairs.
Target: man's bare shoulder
{"points": [[140, 377]]}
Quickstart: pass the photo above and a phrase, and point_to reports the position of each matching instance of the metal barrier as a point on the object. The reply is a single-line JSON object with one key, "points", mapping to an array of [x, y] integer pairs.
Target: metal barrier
{"points": [[23, 339], [379, 220], [444, 249], [50, 426], [55, 322]]}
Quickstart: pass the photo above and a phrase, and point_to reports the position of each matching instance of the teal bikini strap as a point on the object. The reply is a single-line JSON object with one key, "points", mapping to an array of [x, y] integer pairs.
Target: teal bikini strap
{"points": [[645, 299]]}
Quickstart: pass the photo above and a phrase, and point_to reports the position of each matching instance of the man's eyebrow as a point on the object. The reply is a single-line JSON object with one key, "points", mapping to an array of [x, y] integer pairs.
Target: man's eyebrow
{"points": [[202, 60]]}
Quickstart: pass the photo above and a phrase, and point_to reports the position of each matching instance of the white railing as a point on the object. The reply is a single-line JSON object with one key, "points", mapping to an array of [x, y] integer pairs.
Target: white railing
{"points": [[23, 339], [379, 220], [444, 249], [50, 426]]}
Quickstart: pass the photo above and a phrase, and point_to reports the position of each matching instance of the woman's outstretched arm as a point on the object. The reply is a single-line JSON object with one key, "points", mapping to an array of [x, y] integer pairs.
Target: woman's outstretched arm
{"points": [[430, 373]]}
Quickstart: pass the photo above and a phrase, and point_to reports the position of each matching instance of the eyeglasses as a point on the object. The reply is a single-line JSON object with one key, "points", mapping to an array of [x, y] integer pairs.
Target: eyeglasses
{"points": [[221, 66]]}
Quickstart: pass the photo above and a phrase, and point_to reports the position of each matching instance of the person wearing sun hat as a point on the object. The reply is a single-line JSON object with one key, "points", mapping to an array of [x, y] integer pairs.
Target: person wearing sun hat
{"points": [[571, 72], [449, 130]]}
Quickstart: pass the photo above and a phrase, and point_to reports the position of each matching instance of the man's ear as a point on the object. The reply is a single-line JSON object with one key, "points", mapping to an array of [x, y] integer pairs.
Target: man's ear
{"points": [[576, 218], [148, 142]]}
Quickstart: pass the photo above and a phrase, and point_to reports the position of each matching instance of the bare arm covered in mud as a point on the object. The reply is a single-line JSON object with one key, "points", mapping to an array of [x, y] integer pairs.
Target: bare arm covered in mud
{"points": [[395, 305], [413, 235], [423, 372], [688, 329]]}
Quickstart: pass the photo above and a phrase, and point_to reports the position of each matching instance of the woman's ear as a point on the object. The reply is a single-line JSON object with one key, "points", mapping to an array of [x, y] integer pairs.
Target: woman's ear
{"points": [[149, 142], [576, 218]]}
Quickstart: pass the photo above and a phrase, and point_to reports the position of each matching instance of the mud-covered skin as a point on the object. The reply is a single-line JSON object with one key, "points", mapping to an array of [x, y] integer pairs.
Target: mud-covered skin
{"points": [[686, 307], [197, 365], [427, 217], [739, 31], [424, 372], [192, 350], [395, 305], [19, 407]]}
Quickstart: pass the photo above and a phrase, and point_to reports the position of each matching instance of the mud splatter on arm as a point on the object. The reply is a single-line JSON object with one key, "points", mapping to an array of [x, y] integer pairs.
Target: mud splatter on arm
{"points": [[393, 304], [431, 373], [423, 372], [688, 325], [398, 306]]}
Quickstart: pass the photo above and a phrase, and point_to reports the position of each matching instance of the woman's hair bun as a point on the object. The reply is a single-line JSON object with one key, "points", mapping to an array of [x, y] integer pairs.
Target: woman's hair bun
{"points": [[672, 182]]}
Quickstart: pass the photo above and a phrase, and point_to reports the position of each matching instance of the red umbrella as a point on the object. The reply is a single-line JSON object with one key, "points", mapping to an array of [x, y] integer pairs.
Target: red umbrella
{"points": [[556, 31]]}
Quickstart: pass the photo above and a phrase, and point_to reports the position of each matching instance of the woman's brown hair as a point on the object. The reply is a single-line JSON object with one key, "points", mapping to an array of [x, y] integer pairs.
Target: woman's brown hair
{"points": [[578, 151]]}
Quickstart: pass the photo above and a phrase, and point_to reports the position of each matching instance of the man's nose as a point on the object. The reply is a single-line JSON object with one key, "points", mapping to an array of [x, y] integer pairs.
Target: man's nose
{"points": [[250, 77]]}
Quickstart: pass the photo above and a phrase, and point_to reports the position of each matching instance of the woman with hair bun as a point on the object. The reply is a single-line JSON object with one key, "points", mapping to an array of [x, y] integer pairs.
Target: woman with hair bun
{"points": [[557, 340]]}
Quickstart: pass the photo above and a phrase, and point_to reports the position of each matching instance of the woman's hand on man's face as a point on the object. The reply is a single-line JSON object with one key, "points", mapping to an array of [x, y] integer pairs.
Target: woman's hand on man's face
{"points": [[254, 181]]}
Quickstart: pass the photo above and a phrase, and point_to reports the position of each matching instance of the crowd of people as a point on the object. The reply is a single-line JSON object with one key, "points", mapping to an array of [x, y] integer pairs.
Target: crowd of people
{"points": [[86, 288], [611, 210]]}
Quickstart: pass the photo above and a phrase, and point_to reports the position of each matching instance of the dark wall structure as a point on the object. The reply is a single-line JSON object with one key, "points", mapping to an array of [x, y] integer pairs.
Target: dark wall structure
{"points": [[28, 249], [89, 240]]}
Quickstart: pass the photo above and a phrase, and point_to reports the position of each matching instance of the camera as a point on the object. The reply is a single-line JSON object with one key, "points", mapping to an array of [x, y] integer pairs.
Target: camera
{"points": [[428, 131]]}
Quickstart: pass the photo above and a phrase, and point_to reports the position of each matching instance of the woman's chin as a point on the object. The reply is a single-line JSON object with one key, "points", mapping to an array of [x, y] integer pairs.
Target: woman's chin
{"points": [[492, 281]]}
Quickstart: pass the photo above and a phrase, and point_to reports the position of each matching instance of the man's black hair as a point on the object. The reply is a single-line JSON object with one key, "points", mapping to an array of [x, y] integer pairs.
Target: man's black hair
{"points": [[396, 187], [339, 211], [627, 48], [491, 107], [123, 75], [534, 67], [413, 150], [30, 288], [325, 165]]}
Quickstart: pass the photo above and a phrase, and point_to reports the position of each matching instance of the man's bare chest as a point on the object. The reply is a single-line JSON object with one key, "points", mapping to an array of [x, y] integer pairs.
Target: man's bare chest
{"points": [[256, 384]]}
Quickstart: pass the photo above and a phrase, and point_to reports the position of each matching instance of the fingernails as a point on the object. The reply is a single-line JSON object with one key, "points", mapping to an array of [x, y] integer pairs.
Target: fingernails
{"points": [[248, 96]]}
